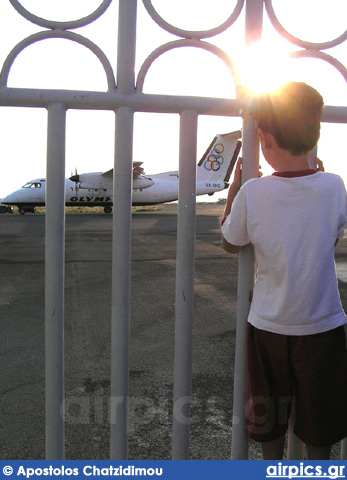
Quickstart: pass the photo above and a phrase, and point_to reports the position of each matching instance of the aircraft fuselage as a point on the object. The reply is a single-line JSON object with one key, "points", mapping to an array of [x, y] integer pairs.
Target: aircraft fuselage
{"points": [[162, 191]]}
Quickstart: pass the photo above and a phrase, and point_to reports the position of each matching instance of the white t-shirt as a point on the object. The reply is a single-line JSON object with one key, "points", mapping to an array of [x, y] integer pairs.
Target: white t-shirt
{"points": [[293, 224]]}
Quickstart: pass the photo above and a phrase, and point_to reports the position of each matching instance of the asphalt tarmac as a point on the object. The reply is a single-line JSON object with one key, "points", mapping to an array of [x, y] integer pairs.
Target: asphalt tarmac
{"points": [[87, 335]]}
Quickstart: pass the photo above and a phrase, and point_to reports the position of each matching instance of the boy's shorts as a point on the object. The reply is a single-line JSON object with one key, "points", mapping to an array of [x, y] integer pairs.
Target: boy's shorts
{"points": [[313, 368]]}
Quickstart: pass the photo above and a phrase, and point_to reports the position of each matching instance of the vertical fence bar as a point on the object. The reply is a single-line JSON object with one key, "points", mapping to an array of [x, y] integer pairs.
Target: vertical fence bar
{"points": [[121, 247], [126, 45], [313, 156], [246, 275], [253, 21], [185, 267], [246, 271], [343, 451], [121, 284], [54, 282], [296, 448]]}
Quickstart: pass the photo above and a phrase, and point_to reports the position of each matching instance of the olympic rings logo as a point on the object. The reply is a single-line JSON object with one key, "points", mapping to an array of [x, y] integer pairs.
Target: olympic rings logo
{"points": [[215, 159]]}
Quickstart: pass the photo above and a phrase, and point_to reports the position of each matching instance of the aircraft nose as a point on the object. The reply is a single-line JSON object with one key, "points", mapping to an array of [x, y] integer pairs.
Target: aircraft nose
{"points": [[12, 197]]}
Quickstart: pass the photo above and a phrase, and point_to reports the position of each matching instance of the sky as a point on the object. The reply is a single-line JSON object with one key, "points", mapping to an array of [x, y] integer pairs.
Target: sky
{"points": [[62, 64]]}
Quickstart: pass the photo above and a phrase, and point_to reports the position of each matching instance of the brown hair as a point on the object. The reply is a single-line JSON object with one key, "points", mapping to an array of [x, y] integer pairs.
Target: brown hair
{"points": [[292, 115]]}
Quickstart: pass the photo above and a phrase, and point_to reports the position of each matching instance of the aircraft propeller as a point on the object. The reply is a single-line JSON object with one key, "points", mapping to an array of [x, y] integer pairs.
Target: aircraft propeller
{"points": [[137, 170], [75, 178]]}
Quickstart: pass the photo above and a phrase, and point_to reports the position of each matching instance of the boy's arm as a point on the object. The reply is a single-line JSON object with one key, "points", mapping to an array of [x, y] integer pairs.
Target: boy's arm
{"points": [[320, 168], [229, 247], [233, 190]]}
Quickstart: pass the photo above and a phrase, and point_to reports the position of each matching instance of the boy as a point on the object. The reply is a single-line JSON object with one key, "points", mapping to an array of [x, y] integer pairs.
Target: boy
{"points": [[296, 338]]}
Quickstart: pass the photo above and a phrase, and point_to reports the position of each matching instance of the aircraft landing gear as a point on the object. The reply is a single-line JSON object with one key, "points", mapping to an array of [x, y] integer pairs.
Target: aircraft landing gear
{"points": [[23, 210]]}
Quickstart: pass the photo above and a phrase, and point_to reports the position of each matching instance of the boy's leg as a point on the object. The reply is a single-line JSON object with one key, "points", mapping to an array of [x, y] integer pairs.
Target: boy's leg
{"points": [[320, 364], [318, 453], [270, 390], [273, 450]]}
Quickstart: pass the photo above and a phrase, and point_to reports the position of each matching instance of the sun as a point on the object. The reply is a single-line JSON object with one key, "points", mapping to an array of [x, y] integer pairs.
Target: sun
{"points": [[263, 67]]}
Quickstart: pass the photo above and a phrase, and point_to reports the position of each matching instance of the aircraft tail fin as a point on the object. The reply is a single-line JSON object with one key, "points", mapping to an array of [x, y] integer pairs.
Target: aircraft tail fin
{"points": [[219, 159]]}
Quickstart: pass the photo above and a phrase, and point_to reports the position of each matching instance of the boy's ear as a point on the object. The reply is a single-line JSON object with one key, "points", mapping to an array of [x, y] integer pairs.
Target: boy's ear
{"points": [[266, 138]]}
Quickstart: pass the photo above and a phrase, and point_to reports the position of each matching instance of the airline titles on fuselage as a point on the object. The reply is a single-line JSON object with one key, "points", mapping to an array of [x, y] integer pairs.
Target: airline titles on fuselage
{"points": [[89, 199]]}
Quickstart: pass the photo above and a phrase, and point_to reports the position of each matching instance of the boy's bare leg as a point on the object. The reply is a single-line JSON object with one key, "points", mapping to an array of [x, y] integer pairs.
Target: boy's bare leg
{"points": [[273, 450], [318, 453]]}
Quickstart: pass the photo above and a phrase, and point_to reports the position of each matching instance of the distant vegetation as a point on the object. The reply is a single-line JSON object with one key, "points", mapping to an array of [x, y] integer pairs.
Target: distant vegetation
{"points": [[148, 208], [97, 210]]}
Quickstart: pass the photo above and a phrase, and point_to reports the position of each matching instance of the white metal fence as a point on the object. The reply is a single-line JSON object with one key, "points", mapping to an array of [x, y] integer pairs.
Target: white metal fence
{"points": [[125, 97]]}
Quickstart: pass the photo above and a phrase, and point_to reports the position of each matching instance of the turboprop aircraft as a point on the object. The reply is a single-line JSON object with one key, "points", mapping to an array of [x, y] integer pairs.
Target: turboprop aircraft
{"points": [[96, 189]]}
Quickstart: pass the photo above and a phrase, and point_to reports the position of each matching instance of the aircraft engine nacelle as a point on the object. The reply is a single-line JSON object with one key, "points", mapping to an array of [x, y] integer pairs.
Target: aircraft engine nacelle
{"points": [[89, 181], [96, 181], [142, 182]]}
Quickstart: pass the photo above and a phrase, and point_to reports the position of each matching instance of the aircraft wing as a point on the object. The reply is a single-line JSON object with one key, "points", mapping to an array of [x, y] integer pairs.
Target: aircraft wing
{"points": [[109, 173], [137, 171]]}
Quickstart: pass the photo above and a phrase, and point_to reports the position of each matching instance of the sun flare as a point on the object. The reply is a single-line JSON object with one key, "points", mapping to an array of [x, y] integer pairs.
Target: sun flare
{"points": [[263, 68]]}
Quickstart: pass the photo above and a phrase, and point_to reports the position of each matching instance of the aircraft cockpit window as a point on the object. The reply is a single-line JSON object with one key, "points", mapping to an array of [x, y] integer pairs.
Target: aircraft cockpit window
{"points": [[32, 185]]}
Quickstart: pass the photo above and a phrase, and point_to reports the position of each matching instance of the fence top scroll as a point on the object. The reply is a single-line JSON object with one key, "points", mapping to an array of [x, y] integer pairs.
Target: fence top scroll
{"points": [[189, 38], [69, 25]]}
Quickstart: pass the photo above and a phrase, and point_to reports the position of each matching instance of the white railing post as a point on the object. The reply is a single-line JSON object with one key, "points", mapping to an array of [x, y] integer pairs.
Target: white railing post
{"points": [[121, 285], [54, 277], [246, 275], [121, 260], [246, 271], [185, 267], [343, 452], [295, 448]]}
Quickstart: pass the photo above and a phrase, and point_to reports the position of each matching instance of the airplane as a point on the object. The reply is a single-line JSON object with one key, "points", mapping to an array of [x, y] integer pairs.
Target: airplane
{"points": [[96, 188]]}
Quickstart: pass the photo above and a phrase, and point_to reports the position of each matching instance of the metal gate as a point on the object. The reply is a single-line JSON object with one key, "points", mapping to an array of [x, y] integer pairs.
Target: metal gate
{"points": [[125, 97]]}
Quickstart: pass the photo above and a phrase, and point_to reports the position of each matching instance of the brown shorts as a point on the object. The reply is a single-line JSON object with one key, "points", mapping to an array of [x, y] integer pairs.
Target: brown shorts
{"points": [[314, 368]]}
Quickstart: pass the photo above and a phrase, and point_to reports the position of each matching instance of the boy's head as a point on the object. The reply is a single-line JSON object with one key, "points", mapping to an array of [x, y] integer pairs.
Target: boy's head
{"points": [[292, 115]]}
